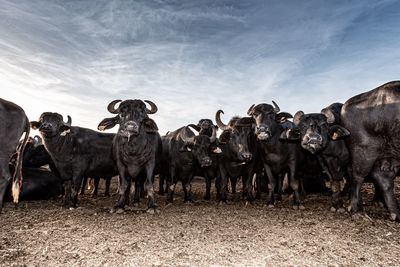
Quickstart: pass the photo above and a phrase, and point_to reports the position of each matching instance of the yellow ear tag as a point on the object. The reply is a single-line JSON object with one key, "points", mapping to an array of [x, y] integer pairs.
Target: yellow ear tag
{"points": [[217, 150]]}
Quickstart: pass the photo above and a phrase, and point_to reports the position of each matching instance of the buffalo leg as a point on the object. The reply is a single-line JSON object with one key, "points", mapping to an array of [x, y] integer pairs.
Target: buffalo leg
{"points": [[187, 188], [108, 183], [149, 185], [218, 186], [124, 182], [294, 184], [68, 193], [223, 184], [77, 183], [279, 189], [271, 185], [386, 186], [208, 188], [96, 186], [171, 184], [138, 189], [84, 183], [233, 181], [258, 185], [362, 165], [5, 178], [248, 181], [161, 183]]}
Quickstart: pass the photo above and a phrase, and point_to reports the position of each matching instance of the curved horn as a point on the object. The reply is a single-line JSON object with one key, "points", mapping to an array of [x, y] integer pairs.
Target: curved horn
{"points": [[213, 137], [276, 107], [196, 127], [250, 111], [330, 117], [153, 107], [297, 117], [220, 124], [185, 138], [111, 107], [69, 121]]}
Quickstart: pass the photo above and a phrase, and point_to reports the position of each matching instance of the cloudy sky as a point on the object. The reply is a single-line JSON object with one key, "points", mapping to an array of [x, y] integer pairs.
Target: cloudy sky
{"points": [[193, 57]]}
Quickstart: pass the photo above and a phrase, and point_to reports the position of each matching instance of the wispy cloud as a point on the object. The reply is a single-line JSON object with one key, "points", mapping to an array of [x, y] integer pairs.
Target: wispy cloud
{"points": [[193, 57]]}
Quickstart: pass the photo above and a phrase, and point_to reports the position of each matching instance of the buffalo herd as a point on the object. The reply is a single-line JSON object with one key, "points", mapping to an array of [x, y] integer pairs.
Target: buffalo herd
{"points": [[344, 145]]}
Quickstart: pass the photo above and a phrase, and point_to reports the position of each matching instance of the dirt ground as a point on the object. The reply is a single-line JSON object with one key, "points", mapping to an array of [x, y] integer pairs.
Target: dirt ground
{"points": [[42, 233]]}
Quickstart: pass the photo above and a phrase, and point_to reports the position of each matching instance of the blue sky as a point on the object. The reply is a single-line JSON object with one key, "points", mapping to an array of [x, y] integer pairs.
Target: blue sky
{"points": [[193, 57]]}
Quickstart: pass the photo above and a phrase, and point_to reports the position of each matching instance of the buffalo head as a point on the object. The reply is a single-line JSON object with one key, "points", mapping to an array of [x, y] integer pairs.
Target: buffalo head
{"points": [[132, 117], [51, 124], [204, 126], [237, 135], [314, 131], [201, 145], [267, 118]]}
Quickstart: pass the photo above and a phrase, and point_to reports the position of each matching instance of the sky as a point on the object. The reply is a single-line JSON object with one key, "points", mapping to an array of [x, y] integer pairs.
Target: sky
{"points": [[193, 57]]}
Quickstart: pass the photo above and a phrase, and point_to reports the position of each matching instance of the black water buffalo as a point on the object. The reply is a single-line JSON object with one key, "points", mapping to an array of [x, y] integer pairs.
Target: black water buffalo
{"points": [[38, 184], [238, 156], [13, 123], [373, 121], [186, 153], [278, 157], [135, 147], [319, 136], [76, 152], [203, 127]]}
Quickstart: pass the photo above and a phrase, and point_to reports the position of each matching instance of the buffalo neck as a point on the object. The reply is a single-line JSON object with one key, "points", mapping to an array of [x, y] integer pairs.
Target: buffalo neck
{"points": [[136, 143], [56, 144]]}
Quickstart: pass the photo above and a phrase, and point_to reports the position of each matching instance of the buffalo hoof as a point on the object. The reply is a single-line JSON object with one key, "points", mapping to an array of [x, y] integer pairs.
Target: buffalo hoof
{"points": [[153, 211], [394, 217], [189, 202], [117, 210], [222, 203], [333, 209], [359, 216], [248, 203], [295, 207], [349, 208], [271, 206], [341, 210], [301, 207], [136, 204]]}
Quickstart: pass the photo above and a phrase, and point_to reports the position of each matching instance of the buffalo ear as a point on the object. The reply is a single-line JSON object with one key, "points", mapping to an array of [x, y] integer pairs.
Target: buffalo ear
{"points": [[150, 126], [297, 117], [35, 125], [108, 123], [290, 135], [225, 137], [337, 132], [282, 115]]}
